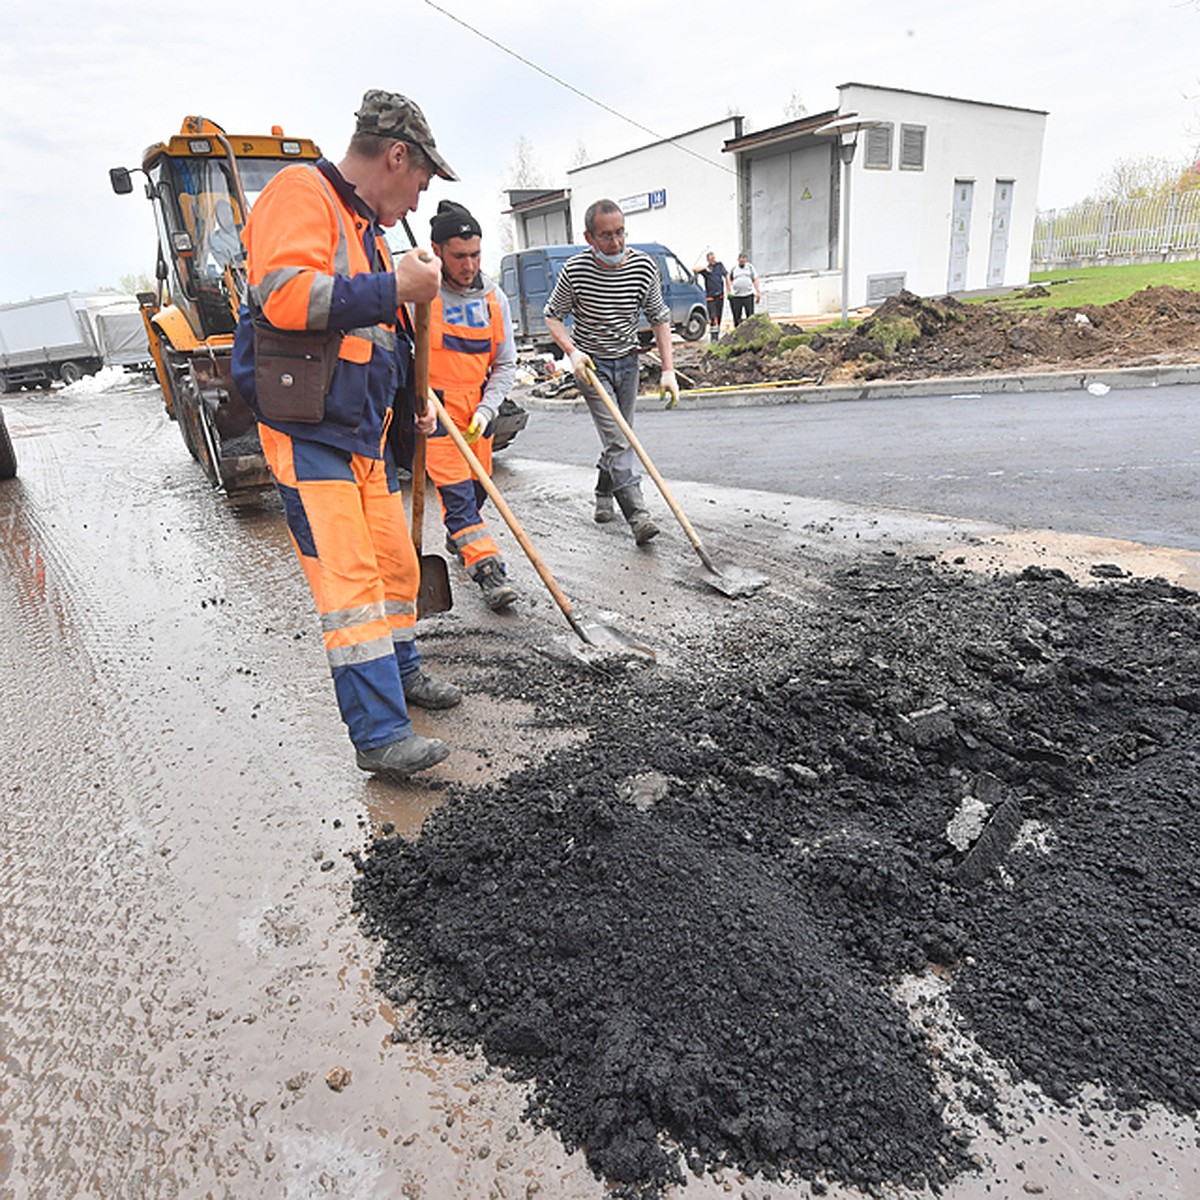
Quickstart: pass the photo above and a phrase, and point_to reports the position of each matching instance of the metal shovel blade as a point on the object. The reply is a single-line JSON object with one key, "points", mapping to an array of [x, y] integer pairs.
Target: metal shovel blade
{"points": [[601, 645], [731, 580], [612, 639], [434, 595]]}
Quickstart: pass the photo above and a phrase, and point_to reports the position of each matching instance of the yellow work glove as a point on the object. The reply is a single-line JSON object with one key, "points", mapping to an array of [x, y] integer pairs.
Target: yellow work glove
{"points": [[479, 422], [670, 389]]}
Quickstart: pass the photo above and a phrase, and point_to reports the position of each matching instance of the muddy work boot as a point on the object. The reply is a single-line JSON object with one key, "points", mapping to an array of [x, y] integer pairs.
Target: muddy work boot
{"points": [[604, 511], [498, 593], [634, 507], [424, 692], [399, 760]]}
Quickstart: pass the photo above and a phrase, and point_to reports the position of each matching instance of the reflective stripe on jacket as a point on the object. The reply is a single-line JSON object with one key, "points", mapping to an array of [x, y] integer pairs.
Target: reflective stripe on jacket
{"points": [[317, 260]]}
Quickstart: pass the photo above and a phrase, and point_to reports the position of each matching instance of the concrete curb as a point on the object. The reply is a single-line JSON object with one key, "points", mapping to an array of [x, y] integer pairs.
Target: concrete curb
{"points": [[887, 389]]}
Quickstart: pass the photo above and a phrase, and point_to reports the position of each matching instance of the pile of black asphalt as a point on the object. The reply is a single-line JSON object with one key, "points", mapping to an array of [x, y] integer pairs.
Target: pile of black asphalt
{"points": [[685, 932]]}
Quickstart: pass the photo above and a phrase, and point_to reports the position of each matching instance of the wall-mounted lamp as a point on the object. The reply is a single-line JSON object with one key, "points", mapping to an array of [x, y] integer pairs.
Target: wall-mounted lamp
{"points": [[846, 130]]}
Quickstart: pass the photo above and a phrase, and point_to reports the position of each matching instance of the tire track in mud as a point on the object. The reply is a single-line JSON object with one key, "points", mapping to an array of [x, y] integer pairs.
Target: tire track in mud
{"points": [[99, 986], [179, 970]]}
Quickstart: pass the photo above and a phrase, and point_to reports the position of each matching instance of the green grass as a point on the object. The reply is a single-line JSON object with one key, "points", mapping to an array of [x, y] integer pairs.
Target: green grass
{"points": [[1100, 285]]}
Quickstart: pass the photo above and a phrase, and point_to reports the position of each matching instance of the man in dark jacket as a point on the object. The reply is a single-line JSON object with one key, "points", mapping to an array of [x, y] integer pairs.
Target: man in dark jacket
{"points": [[716, 284]]}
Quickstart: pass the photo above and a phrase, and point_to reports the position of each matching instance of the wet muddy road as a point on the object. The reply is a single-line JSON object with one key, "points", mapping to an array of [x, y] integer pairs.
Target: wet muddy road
{"points": [[187, 1003]]}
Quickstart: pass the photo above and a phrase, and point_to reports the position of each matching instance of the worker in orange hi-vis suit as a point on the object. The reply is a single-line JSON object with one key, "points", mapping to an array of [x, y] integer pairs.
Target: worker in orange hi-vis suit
{"points": [[322, 353], [472, 366]]}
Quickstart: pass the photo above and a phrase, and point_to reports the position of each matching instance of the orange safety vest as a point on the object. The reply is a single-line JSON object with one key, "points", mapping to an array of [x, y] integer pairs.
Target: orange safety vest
{"points": [[463, 340]]}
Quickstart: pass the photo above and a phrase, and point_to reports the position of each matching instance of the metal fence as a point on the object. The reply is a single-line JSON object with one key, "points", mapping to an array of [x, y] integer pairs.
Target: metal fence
{"points": [[1133, 230]]}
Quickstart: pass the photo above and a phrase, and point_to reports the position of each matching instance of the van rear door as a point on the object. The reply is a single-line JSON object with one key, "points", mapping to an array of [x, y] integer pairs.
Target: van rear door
{"points": [[511, 288], [535, 281]]}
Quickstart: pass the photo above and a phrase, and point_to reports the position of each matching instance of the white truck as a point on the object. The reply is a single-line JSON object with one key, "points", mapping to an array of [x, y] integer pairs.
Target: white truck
{"points": [[68, 336], [121, 333]]}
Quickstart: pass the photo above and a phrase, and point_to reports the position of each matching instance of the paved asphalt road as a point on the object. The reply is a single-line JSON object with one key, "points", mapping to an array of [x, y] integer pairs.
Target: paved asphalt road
{"points": [[1122, 465]]}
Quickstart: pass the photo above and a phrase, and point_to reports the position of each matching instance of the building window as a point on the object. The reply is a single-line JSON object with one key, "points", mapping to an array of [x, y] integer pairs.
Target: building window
{"points": [[912, 147], [878, 155]]}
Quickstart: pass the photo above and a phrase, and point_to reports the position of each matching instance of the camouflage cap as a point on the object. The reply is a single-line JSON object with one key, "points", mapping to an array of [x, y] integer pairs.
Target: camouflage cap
{"points": [[391, 115]]}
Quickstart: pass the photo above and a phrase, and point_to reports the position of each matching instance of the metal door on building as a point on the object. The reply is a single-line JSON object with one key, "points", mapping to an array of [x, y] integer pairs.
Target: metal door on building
{"points": [[546, 229], [960, 234], [1001, 219], [790, 203]]}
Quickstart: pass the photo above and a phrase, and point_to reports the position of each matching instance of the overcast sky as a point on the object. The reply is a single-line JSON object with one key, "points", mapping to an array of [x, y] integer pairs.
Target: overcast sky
{"points": [[87, 86]]}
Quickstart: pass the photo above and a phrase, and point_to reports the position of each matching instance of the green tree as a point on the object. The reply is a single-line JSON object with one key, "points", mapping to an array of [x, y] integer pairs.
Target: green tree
{"points": [[1189, 177]]}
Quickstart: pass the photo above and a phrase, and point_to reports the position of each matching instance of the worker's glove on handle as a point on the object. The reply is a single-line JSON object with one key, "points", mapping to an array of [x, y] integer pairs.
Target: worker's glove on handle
{"points": [[670, 389], [582, 366], [484, 416]]}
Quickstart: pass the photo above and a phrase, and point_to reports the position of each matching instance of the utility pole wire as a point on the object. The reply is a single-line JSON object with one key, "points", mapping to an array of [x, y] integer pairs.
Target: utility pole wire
{"points": [[572, 88]]}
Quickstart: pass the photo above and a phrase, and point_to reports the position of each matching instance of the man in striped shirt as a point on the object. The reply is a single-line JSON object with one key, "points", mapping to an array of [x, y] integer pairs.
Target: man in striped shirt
{"points": [[606, 288]]}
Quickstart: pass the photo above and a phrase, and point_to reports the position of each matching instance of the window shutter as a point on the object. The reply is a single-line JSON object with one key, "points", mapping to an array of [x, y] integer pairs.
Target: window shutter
{"points": [[912, 147], [880, 287], [879, 148]]}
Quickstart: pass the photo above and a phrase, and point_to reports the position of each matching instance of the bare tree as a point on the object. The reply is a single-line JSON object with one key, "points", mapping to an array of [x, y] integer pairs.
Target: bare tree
{"points": [[795, 108], [132, 283], [524, 171], [579, 156], [1135, 178]]}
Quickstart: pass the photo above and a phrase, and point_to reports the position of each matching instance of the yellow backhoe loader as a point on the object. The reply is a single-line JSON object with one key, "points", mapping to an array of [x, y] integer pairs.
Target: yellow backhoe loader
{"points": [[202, 183]]}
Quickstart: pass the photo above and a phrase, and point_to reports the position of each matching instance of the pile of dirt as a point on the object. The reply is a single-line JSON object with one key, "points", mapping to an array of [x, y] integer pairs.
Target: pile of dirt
{"points": [[909, 337], [685, 934]]}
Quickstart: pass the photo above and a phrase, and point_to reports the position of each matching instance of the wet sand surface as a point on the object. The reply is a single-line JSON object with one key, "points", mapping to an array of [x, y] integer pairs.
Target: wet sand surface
{"points": [[188, 1005]]}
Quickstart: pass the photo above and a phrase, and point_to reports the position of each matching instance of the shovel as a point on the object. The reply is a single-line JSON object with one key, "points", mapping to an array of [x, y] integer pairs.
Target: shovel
{"points": [[434, 595], [727, 578], [601, 637]]}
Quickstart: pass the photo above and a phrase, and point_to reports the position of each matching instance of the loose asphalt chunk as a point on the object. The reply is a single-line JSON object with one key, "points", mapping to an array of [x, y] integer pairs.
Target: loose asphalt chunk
{"points": [[684, 933]]}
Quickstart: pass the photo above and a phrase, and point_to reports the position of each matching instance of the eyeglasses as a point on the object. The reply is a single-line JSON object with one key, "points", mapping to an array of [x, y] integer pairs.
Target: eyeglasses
{"points": [[615, 235]]}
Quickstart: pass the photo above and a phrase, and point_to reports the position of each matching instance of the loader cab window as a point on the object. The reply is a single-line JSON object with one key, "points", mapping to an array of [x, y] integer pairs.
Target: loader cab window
{"points": [[256, 173], [201, 237], [209, 209], [201, 241]]}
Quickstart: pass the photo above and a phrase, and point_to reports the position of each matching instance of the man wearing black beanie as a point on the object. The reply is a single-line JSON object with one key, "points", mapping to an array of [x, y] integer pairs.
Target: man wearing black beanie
{"points": [[472, 366]]}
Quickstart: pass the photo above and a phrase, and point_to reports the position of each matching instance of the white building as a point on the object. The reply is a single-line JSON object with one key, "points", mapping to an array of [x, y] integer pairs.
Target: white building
{"points": [[682, 192], [943, 197]]}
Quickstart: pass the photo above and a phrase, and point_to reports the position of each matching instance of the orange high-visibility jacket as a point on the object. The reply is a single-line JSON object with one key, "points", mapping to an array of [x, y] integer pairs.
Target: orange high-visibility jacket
{"points": [[317, 260], [464, 339]]}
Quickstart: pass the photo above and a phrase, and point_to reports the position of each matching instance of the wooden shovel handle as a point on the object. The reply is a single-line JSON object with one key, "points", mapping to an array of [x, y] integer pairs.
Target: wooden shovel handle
{"points": [[593, 381], [421, 369], [509, 519]]}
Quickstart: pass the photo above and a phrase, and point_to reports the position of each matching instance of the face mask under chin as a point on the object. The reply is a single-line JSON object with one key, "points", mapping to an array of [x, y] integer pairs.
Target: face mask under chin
{"points": [[609, 260]]}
